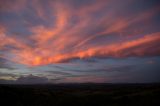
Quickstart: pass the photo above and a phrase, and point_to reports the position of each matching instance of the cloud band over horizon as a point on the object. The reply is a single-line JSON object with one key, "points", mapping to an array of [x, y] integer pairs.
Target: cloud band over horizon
{"points": [[39, 33]]}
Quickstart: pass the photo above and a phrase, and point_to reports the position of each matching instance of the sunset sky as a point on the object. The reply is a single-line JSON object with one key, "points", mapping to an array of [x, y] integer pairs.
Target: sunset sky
{"points": [[76, 41]]}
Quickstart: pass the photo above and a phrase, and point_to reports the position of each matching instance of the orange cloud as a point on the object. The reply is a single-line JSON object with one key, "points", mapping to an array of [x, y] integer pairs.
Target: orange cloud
{"points": [[138, 47], [66, 40]]}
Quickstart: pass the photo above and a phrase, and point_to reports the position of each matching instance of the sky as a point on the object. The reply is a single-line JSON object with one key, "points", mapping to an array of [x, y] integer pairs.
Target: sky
{"points": [[79, 41]]}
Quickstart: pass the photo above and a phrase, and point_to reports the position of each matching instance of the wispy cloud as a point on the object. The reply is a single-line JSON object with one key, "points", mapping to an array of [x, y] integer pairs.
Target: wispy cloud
{"points": [[70, 33]]}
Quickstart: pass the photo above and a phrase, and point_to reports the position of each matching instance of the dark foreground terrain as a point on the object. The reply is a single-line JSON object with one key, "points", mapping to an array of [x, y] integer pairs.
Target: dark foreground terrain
{"points": [[80, 95]]}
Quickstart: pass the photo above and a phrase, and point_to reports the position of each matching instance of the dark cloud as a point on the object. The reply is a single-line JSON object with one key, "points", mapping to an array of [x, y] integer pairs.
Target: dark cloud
{"points": [[4, 64], [31, 79], [3, 81], [137, 73], [2, 74], [10, 77], [124, 68], [59, 73]]}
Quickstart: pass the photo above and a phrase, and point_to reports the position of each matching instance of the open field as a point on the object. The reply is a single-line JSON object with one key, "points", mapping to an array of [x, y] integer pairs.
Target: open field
{"points": [[80, 95]]}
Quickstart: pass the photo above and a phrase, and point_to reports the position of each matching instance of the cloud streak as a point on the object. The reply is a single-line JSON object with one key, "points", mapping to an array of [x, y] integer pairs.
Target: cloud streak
{"points": [[85, 31]]}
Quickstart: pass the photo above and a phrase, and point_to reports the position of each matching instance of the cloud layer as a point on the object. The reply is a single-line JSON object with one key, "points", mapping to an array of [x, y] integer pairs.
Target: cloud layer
{"points": [[39, 33]]}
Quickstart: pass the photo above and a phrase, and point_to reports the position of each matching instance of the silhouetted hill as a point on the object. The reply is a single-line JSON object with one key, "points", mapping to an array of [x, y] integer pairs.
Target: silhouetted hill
{"points": [[80, 94]]}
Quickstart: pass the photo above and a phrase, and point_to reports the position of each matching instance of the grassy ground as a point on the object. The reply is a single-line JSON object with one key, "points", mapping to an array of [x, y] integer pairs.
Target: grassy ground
{"points": [[81, 95]]}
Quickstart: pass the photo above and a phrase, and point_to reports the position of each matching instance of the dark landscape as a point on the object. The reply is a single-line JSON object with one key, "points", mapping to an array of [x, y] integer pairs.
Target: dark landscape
{"points": [[88, 94]]}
